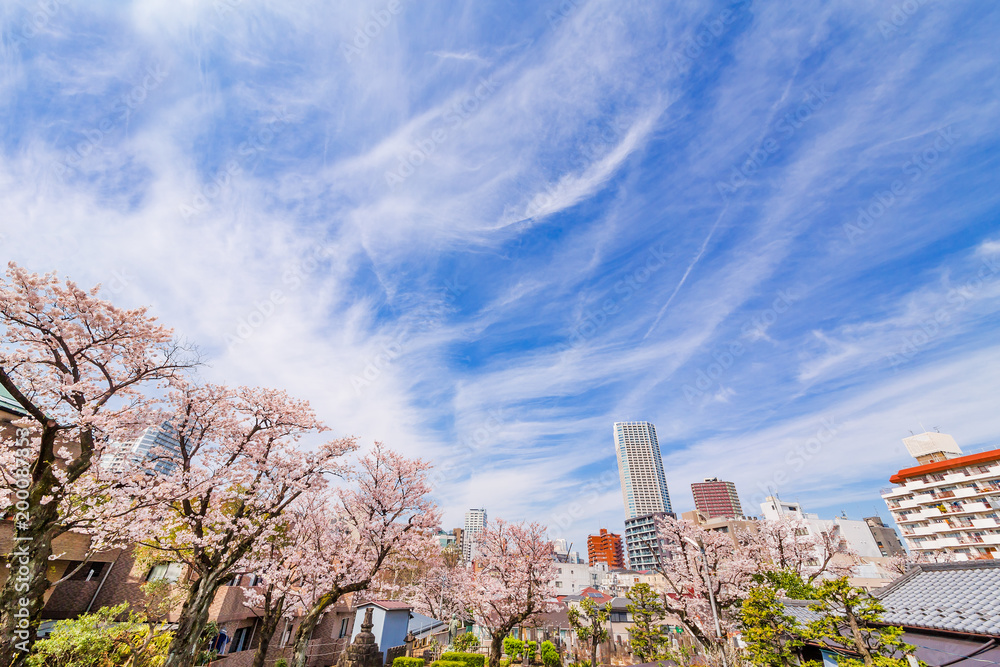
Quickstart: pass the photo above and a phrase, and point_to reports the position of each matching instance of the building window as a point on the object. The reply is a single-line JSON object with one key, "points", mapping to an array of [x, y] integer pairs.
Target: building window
{"points": [[343, 628], [169, 572], [285, 636], [241, 640]]}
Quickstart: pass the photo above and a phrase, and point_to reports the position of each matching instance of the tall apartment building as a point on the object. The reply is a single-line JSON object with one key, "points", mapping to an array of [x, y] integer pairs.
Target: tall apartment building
{"points": [[475, 520], [716, 498], [640, 468], [949, 502], [157, 443], [644, 489], [606, 548]]}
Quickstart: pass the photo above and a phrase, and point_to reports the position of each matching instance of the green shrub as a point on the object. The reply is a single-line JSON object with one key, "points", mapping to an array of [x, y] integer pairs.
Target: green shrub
{"points": [[513, 646], [281, 662], [404, 662], [467, 659], [550, 654], [447, 663], [504, 662], [466, 641]]}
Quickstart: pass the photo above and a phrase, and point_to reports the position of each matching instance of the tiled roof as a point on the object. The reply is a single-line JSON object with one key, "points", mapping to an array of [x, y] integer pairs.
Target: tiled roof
{"points": [[954, 597], [961, 597]]}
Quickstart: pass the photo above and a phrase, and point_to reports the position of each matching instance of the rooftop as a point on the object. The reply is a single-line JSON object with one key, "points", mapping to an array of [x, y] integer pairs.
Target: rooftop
{"points": [[947, 464]]}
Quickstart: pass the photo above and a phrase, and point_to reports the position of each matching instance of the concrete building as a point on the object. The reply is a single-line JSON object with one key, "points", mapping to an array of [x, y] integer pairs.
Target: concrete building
{"points": [[714, 497], [475, 520], [640, 468], [949, 502], [642, 542], [606, 548], [721, 524], [572, 578], [885, 537], [856, 534]]}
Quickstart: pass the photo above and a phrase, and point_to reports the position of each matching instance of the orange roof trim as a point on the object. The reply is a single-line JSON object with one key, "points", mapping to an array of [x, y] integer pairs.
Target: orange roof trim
{"points": [[947, 464]]}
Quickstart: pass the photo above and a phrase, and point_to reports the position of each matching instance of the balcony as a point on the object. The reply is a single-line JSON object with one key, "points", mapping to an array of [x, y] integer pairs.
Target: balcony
{"points": [[986, 522], [926, 530], [943, 494]]}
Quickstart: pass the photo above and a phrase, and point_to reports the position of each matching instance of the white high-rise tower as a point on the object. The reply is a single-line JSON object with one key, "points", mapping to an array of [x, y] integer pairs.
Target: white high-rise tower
{"points": [[475, 519], [640, 467]]}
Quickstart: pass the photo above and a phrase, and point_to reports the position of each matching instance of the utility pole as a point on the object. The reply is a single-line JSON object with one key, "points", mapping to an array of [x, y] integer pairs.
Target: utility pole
{"points": [[711, 595]]}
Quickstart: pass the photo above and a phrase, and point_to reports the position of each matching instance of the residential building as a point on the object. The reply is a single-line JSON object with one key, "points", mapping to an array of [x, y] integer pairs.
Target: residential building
{"points": [[856, 535], [572, 578], [475, 520], [643, 545], [445, 539], [606, 548], [117, 576], [156, 443], [721, 524], [715, 497], [949, 502], [640, 468], [618, 582], [885, 537]]}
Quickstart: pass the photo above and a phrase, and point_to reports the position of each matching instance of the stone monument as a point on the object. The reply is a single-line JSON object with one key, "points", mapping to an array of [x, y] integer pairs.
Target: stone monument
{"points": [[364, 651]]}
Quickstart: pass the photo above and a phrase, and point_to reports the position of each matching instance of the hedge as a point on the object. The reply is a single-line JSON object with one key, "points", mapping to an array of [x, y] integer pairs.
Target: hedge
{"points": [[402, 661], [467, 659], [446, 663]]}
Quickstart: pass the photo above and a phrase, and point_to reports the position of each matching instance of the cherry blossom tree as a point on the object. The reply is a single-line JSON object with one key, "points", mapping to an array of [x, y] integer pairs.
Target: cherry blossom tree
{"points": [[512, 581], [787, 545], [381, 516], [694, 561], [78, 367], [238, 469], [277, 564]]}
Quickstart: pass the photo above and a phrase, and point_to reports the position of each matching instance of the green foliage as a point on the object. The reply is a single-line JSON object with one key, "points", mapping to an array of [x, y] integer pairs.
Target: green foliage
{"points": [[770, 634], [590, 623], [504, 662], [405, 662], [467, 659], [852, 618], [513, 646], [206, 657], [281, 662], [792, 583], [645, 636], [110, 636], [550, 654], [466, 641], [447, 663]]}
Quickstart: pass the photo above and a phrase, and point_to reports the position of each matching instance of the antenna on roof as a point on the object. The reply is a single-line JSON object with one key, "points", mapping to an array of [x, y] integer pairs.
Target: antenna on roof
{"points": [[937, 430]]}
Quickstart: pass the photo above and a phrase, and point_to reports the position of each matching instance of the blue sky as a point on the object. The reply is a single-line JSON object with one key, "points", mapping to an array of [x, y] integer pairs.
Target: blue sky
{"points": [[483, 232]]}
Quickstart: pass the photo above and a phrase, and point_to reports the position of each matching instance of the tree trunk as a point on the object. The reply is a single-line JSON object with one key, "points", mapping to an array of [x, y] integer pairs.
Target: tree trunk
{"points": [[269, 623], [192, 621], [496, 650], [27, 581], [593, 654], [859, 641], [304, 633]]}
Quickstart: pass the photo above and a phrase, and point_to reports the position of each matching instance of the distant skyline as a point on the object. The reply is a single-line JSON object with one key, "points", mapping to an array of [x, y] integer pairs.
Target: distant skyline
{"points": [[482, 232]]}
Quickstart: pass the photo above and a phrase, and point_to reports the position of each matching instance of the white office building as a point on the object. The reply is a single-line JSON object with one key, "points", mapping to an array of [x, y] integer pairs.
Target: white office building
{"points": [[475, 520]]}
